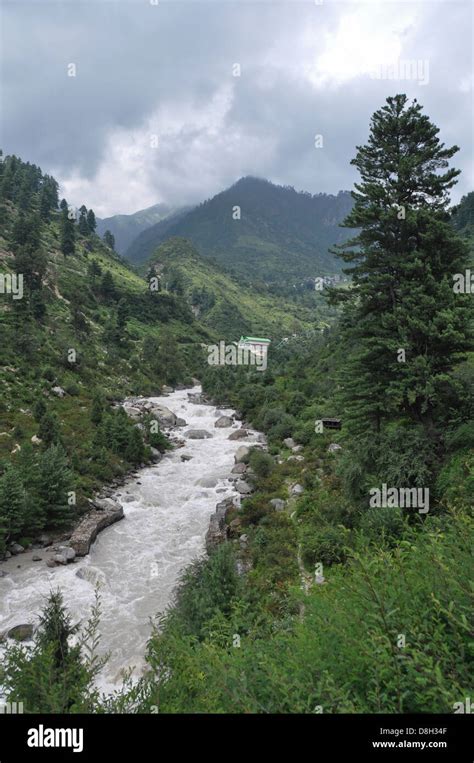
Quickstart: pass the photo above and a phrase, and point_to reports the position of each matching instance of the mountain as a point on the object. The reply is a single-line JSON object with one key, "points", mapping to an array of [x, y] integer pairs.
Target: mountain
{"points": [[125, 228], [281, 235], [229, 306]]}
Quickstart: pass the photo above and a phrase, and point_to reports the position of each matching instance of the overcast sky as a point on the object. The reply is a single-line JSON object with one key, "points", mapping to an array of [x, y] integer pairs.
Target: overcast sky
{"points": [[163, 74]]}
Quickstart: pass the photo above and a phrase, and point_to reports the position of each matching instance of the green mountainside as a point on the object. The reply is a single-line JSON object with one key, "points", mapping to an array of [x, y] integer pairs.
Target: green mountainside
{"points": [[87, 331], [281, 235], [231, 306]]}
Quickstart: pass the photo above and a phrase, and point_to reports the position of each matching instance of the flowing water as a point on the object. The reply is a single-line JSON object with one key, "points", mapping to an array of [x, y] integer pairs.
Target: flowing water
{"points": [[137, 561]]}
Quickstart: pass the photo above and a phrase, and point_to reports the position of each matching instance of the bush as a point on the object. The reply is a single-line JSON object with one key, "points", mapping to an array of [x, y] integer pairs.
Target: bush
{"points": [[261, 462], [326, 544]]}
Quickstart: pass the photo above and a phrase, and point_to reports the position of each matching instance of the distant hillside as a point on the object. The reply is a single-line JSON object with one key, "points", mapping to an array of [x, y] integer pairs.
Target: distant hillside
{"points": [[230, 306], [281, 234], [125, 228]]}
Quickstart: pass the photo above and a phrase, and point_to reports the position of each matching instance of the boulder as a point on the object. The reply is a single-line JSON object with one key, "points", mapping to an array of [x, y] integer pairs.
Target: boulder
{"points": [[206, 482], [239, 469], [186, 457], [21, 632], [60, 558], [198, 434], [243, 487], [334, 447], [167, 390], [51, 563], [132, 412], [36, 440], [297, 489], [155, 455], [295, 458], [36, 558], [15, 549], [289, 442], [239, 434], [278, 504], [181, 422], [164, 416], [59, 391], [297, 448], [223, 421], [89, 527], [218, 530], [241, 454]]}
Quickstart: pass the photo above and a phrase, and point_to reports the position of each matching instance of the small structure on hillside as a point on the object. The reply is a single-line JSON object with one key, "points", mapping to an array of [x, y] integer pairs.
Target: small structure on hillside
{"points": [[332, 423], [256, 345]]}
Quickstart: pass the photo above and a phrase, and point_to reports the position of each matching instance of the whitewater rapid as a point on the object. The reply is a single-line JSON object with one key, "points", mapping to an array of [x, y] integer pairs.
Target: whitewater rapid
{"points": [[136, 561]]}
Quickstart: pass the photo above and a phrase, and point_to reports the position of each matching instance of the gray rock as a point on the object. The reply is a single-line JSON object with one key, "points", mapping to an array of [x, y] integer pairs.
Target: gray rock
{"points": [[334, 447], [289, 442], [218, 530], [60, 558], [21, 632], [206, 482], [155, 455], [244, 539], [51, 563], [239, 469], [239, 434], [297, 448], [295, 458], [59, 391], [89, 527], [16, 549], [297, 489], [36, 558], [241, 454], [186, 457], [164, 416], [167, 389], [223, 421], [243, 487], [198, 434], [278, 504], [181, 422], [106, 504]]}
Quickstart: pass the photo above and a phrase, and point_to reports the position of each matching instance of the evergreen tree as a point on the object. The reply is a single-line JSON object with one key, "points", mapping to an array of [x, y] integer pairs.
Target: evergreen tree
{"points": [[91, 221], [48, 430], [68, 231], [97, 409], [82, 224], [107, 286], [109, 239], [135, 450], [52, 484], [403, 262], [12, 503]]}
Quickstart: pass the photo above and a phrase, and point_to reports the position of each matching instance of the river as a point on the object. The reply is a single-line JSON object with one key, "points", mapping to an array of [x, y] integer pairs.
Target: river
{"points": [[138, 560]]}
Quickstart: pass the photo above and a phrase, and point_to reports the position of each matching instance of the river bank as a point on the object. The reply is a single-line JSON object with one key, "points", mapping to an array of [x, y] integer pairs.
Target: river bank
{"points": [[138, 561]]}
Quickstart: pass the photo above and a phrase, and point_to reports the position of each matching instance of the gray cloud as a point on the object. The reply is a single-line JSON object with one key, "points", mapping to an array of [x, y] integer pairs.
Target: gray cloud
{"points": [[166, 70]]}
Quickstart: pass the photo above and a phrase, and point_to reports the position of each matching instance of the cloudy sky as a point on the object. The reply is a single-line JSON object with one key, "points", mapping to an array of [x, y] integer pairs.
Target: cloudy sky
{"points": [[155, 112]]}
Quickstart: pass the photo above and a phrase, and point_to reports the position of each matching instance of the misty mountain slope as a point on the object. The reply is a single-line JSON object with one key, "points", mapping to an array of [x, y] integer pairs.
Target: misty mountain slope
{"points": [[125, 228], [281, 234]]}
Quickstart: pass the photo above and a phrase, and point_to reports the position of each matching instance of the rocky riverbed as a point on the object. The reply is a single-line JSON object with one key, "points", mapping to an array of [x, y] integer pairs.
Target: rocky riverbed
{"points": [[169, 515]]}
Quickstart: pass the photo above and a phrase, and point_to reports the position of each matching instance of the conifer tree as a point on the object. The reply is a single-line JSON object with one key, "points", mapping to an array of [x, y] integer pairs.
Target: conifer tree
{"points": [[403, 323], [91, 221]]}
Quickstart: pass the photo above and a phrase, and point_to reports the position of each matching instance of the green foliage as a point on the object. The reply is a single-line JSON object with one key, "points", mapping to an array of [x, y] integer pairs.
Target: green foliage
{"points": [[54, 676]]}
